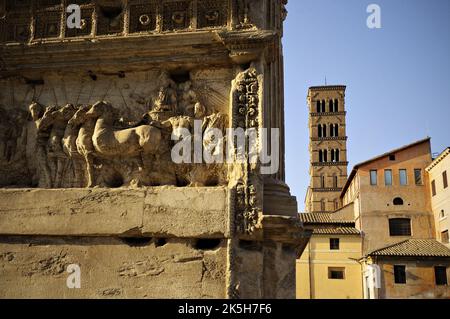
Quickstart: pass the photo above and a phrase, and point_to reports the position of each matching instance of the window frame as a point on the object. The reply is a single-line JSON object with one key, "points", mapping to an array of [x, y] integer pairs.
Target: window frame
{"points": [[444, 179], [419, 170], [335, 270], [397, 200], [433, 188], [402, 280], [400, 230], [335, 243], [445, 239], [440, 281], [402, 171], [371, 177], [390, 177]]}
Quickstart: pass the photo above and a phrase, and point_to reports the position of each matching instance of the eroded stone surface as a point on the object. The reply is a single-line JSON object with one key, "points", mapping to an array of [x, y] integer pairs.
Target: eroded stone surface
{"points": [[161, 211], [110, 268]]}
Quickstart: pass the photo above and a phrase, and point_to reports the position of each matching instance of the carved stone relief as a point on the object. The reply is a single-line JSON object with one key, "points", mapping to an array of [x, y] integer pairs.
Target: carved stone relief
{"points": [[212, 13], [143, 16], [245, 99], [91, 144]]}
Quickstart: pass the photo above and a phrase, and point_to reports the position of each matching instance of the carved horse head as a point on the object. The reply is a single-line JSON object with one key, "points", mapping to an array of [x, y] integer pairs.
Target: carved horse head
{"points": [[80, 115], [100, 108]]}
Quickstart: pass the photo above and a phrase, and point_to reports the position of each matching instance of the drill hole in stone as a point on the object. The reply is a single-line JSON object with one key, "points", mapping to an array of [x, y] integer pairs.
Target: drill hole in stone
{"points": [[207, 244], [115, 180], [136, 241], [160, 242], [181, 182], [180, 76], [92, 75], [246, 66], [212, 181]]}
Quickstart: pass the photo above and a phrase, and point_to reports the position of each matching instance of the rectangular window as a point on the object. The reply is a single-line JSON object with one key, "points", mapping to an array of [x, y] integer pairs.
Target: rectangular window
{"points": [[444, 179], [373, 177], [399, 227], [336, 273], [387, 177], [418, 176], [334, 243], [400, 274], [392, 157], [403, 177], [433, 188], [440, 274], [444, 237]]}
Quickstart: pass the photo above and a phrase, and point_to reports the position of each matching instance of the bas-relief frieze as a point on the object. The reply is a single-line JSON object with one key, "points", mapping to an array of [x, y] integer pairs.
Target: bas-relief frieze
{"points": [[127, 142]]}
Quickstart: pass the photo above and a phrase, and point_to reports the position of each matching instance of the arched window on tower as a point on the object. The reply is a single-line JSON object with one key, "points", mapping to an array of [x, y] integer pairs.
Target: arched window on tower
{"points": [[323, 106], [319, 130], [318, 106], [335, 181], [336, 130], [320, 156], [330, 106], [332, 155], [336, 105], [322, 181], [325, 156], [336, 155], [324, 130]]}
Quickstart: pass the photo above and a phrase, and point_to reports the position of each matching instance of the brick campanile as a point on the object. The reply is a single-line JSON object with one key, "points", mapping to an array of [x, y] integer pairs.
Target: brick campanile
{"points": [[327, 147]]}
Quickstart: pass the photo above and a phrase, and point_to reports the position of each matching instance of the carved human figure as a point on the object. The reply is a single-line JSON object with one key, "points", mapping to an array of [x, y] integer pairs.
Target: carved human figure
{"points": [[167, 95], [39, 148], [58, 119], [188, 99]]}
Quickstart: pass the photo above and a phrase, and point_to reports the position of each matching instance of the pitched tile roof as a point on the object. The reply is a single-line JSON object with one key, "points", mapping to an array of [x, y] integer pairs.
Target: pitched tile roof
{"points": [[414, 248], [336, 231], [322, 218]]}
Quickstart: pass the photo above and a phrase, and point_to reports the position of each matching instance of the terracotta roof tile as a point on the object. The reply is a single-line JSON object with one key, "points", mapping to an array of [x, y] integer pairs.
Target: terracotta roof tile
{"points": [[414, 248], [336, 231], [322, 218]]}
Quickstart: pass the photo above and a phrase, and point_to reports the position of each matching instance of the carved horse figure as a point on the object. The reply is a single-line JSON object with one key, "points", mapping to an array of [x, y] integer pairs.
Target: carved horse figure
{"points": [[110, 142], [57, 118], [83, 142]]}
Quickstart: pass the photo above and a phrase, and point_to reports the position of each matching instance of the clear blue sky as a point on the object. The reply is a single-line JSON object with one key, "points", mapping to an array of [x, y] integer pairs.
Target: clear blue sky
{"points": [[397, 77]]}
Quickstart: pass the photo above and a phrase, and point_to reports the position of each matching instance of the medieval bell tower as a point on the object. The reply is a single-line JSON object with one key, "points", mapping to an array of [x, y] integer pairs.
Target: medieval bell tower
{"points": [[327, 147]]}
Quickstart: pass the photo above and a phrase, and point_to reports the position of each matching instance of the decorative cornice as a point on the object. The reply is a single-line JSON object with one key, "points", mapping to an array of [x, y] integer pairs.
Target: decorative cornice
{"points": [[328, 113], [438, 159], [334, 138], [328, 88], [329, 164], [324, 190]]}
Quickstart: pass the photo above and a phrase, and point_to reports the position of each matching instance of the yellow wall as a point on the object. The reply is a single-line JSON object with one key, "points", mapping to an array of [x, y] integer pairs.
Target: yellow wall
{"points": [[441, 201], [322, 258]]}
